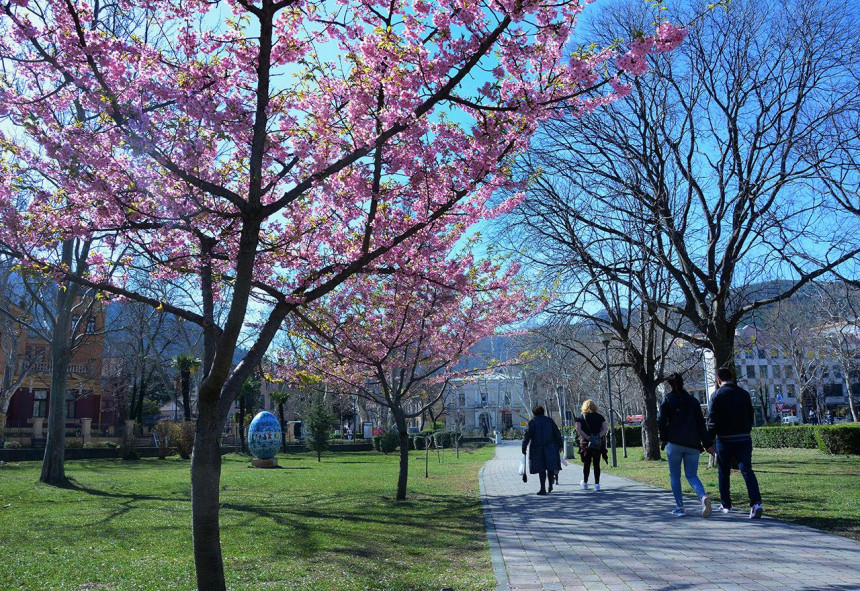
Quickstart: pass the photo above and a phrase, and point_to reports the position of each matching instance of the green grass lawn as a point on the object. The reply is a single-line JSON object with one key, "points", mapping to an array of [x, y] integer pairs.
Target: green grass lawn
{"points": [[799, 485], [307, 525]]}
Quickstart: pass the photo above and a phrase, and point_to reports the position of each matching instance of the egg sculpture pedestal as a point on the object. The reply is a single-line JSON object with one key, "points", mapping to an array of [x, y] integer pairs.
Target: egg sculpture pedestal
{"points": [[264, 440]]}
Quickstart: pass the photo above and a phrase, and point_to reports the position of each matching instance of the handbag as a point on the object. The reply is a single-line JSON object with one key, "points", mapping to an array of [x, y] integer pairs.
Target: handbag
{"points": [[595, 442], [523, 468]]}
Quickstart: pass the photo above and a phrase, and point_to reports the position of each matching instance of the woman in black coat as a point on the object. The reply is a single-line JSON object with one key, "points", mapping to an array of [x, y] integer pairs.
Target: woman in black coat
{"points": [[545, 449]]}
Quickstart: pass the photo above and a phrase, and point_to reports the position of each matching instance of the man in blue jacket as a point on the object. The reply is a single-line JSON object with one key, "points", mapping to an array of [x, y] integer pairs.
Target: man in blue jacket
{"points": [[730, 421]]}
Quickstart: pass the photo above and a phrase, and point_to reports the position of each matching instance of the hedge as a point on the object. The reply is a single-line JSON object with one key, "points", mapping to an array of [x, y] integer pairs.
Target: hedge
{"points": [[834, 439], [838, 439], [445, 438], [794, 436], [632, 434]]}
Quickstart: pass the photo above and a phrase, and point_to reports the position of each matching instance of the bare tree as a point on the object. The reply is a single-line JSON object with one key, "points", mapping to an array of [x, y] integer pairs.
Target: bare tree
{"points": [[705, 171]]}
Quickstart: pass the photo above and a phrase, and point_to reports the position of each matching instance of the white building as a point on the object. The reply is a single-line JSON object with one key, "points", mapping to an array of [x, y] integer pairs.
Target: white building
{"points": [[493, 402]]}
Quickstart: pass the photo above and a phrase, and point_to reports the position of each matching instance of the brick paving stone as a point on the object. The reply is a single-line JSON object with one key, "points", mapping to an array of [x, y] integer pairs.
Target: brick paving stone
{"points": [[623, 537]]}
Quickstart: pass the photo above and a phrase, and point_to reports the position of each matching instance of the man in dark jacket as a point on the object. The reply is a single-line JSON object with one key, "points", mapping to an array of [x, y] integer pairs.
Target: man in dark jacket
{"points": [[730, 421], [546, 445]]}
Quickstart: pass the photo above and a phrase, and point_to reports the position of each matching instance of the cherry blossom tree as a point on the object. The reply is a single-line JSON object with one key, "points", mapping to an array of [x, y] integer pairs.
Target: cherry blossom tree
{"points": [[397, 340], [263, 153]]}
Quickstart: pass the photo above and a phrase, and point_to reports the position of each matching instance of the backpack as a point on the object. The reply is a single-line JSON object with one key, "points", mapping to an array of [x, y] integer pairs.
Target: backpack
{"points": [[595, 442]]}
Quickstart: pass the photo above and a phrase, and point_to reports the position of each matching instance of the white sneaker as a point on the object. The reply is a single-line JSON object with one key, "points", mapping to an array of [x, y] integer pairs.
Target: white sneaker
{"points": [[706, 506], [596, 487], [755, 512], [583, 484], [678, 512]]}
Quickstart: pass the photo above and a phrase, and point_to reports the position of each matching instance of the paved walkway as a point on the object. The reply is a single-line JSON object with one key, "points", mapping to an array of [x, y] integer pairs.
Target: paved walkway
{"points": [[623, 537]]}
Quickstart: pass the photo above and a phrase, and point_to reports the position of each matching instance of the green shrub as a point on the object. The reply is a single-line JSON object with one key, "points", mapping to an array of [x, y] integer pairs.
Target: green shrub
{"points": [[446, 438], [318, 423], [838, 439], [167, 433], [74, 444], [100, 445], [417, 440], [12, 445], [387, 442], [434, 426], [184, 439], [802, 436]]}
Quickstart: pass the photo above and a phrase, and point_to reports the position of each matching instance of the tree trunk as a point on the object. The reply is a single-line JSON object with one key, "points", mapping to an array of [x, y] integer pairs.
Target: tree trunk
{"points": [[205, 476], [623, 437], [852, 406], [141, 395], [403, 435], [241, 424], [724, 355], [283, 427], [53, 463], [650, 438], [132, 402], [186, 393]]}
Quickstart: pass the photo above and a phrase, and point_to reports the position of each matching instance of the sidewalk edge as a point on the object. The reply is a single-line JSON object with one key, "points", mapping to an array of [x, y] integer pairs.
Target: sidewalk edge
{"points": [[496, 557]]}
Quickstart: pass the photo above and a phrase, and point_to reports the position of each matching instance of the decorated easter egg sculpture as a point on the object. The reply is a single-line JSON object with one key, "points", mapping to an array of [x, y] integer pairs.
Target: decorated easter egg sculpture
{"points": [[264, 436]]}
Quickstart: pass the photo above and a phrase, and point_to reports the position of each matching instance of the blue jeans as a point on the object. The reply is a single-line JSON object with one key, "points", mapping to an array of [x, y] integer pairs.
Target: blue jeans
{"points": [[740, 450], [690, 456]]}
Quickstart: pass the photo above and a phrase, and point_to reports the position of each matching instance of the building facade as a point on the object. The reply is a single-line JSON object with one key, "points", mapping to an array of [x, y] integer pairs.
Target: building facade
{"points": [[496, 402], [28, 368]]}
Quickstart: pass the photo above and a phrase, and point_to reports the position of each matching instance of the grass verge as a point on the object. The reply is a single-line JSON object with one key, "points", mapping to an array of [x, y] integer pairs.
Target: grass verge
{"points": [[799, 485], [308, 525]]}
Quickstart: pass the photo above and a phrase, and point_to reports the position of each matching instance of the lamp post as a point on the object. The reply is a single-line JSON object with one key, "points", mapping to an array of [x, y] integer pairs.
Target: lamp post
{"points": [[605, 338]]}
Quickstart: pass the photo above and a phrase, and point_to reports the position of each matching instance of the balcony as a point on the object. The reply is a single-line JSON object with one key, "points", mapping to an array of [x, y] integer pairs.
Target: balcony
{"points": [[44, 367]]}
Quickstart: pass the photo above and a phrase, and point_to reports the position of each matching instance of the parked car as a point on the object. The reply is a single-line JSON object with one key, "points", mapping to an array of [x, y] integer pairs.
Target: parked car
{"points": [[791, 420]]}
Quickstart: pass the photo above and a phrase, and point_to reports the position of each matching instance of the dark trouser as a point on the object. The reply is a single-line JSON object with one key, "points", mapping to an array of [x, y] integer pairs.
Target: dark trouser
{"points": [[542, 477], [586, 464], [740, 450]]}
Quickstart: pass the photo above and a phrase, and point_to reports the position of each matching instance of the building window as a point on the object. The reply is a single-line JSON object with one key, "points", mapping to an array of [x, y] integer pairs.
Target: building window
{"points": [[91, 325], [748, 353], [70, 405], [777, 371], [791, 391], [789, 371], [483, 399], [762, 354], [762, 371], [751, 372], [507, 399], [461, 399], [833, 390], [837, 373], [40, 403]]}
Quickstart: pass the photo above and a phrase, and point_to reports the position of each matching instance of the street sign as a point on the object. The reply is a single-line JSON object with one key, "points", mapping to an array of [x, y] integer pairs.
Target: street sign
{"points": [[779, 397]]}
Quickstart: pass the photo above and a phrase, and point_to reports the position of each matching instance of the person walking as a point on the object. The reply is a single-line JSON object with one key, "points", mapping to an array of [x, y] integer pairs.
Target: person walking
{"points": [[684, 436], [730, 421], [544, 443], [591, 427]]}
